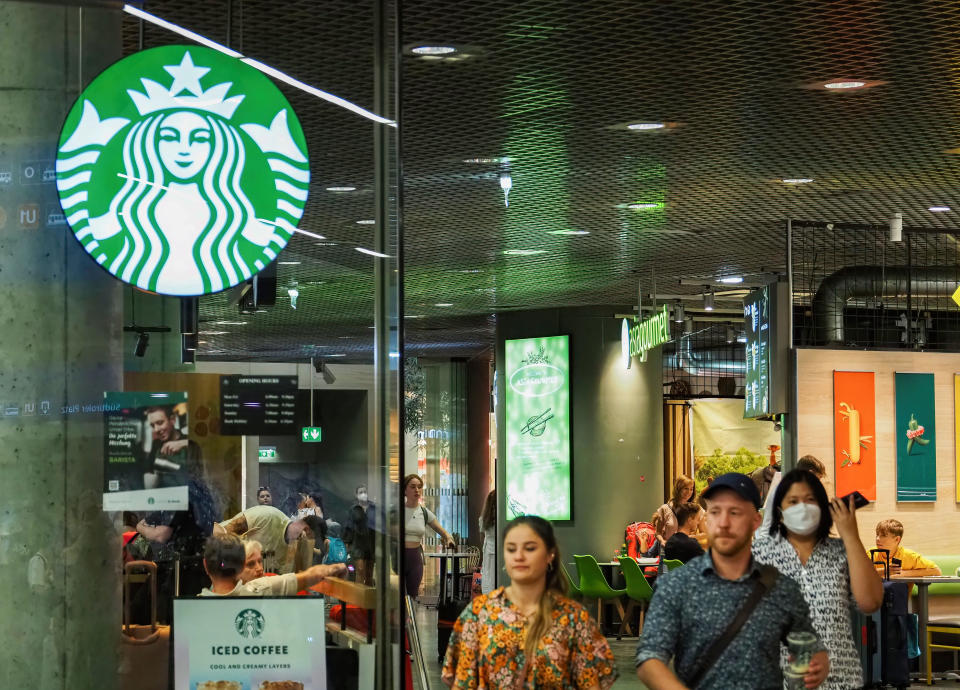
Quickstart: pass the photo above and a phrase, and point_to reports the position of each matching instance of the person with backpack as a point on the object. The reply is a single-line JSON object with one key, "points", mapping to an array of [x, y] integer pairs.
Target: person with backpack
{"points": [[721, 617], [416, 520]]}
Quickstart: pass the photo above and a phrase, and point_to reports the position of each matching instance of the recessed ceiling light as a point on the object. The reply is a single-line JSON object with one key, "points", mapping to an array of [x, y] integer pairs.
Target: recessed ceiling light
{"points": [[844, 84], [413, 316], [340, 354], [523, 252], [938, 209], [289, 263], [366, 222], [796, 180], [730, 280], [443, 304], [646, 125], [434, 50], [644, 205], [230, 323], [341, 189], [569, 232]]}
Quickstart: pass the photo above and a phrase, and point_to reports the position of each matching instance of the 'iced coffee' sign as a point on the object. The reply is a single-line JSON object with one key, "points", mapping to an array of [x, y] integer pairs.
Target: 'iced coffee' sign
{"points": [[232, 643], [182, 171]]}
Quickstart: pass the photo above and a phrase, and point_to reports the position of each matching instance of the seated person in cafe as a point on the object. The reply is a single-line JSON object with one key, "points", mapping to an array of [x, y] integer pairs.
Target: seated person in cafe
{"points": [[224, 557], [912, 564], [275, 531], [253, 565], [682, 546]]}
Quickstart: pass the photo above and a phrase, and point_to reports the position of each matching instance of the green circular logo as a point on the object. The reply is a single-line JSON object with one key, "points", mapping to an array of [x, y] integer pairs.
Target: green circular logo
{"points": [[182, 171], [249, 623]]}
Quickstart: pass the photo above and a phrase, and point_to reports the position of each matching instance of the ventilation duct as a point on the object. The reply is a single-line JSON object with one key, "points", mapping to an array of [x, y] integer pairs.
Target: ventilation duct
{"points": [[702, 364], [877, 282]]}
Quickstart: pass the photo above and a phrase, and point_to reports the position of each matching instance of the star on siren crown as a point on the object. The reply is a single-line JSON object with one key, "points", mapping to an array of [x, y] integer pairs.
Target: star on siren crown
{"points": [[186, 77]]}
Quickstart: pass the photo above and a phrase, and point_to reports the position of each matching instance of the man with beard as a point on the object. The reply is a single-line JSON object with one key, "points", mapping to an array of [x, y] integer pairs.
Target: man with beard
{"points": [[693, 615]]}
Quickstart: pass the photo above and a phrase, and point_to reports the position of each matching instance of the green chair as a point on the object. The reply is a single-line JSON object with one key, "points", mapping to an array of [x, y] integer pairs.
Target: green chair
{"points": [[639, 591], [672, 563], [572, 589], [593, 585]]}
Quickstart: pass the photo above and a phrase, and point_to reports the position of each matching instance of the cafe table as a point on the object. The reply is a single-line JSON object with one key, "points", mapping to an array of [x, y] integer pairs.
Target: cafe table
{"points": [[454, 559], [923, 603]]}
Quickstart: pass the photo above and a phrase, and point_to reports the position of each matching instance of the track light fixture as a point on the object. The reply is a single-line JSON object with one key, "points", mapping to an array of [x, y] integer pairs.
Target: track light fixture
{"points": [[896, 227], [678, 312], [708, 299]]}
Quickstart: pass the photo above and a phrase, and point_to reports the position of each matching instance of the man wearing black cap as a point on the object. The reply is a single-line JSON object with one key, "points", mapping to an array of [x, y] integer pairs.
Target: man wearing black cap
{"points": [[223, 559], [721, 617]]}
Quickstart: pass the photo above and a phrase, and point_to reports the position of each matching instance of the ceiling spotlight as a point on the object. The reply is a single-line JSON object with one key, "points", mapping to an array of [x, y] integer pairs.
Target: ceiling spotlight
{"points": [[731, 335], [645, 126], [366, 222], [938, 209], [688, 326], [433, 50], [731, 280], [143, 340], [678, 312], [523, 252], [341, 189], [896, 227], [643, 204], [708, 300], [844, 84], [506, 184], [796, 180], [443, 304]]}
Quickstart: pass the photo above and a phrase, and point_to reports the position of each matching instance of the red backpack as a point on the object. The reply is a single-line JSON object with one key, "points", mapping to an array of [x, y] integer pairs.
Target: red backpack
{"points": [[639, 537]]}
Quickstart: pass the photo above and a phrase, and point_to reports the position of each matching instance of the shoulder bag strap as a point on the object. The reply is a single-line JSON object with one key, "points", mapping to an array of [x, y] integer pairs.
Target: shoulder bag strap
{"points": [[763, 584]]}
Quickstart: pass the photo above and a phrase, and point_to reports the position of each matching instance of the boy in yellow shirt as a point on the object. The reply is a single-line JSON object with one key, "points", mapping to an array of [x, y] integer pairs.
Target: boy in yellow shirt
{"points": [[912, 564]]}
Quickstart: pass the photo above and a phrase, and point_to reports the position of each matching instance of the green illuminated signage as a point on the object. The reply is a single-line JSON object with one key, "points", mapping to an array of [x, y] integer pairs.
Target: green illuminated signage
{"points": [[267, 453], [644, 336], [537, 417], [311, 434], [182, 171]]}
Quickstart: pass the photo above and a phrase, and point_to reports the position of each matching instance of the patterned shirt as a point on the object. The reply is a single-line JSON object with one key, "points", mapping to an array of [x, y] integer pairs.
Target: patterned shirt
{"points": [[486, 648], [825, 582], [693, 605]]}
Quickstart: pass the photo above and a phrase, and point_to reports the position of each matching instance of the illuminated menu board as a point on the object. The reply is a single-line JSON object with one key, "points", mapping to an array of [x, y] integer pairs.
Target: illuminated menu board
{"points": [[538, 427], [756, 315]]}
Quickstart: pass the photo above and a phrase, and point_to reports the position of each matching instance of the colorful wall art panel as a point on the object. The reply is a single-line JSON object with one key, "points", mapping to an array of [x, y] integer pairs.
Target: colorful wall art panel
{"points": [[956, 429], [916, 437], [854, 433]]}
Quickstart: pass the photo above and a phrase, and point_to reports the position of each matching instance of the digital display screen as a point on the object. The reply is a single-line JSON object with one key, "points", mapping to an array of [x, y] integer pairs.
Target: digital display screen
{"points": [[756, 316], [538, 427]]}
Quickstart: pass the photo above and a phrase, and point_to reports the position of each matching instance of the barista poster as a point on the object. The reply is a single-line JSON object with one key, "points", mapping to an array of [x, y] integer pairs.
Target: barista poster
{"points": [[916, 435], [148, 457], [231, 643]]}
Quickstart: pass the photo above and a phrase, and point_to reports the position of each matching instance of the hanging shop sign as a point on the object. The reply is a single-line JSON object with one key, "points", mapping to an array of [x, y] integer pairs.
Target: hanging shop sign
{"points": [[638, 339], [182, 171], [237, 643], [537, 412]]}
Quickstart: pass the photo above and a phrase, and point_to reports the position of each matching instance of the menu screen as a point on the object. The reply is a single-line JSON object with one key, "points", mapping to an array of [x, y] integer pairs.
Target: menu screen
{"points": [[756, 314], [258, 405], [538, 427]]}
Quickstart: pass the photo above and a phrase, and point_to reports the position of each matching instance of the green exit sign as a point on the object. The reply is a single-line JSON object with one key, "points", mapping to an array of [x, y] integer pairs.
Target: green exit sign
{"points": [[268, 453], [311, 434]]}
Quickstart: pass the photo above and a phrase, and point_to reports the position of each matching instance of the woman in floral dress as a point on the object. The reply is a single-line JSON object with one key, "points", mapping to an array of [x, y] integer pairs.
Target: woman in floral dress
{"points": [[528, 634]]}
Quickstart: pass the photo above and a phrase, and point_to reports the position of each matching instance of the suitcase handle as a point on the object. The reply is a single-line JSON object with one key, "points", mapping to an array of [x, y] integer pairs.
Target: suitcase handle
{"points": [[151, 569], [885, 562]]}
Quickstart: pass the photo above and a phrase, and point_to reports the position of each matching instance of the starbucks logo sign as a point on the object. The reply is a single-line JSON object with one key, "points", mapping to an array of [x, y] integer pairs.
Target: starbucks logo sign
{"points": [[182, 171], [249, 623]]}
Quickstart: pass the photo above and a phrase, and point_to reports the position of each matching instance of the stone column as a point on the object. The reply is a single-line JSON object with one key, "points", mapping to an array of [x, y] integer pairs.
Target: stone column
{"points": [[60, 336]]}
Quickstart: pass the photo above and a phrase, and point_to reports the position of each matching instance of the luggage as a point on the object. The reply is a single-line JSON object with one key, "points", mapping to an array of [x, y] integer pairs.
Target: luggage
{"points": [[883, 635], [447, 614], [145, 649]]}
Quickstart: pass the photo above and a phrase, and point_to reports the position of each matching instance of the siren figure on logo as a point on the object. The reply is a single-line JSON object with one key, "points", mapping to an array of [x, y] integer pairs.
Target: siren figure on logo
{"points": [[174, 199]]}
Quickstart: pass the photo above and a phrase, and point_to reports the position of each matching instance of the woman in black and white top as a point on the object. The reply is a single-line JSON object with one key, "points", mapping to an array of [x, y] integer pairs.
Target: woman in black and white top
{"points": [[416, 519], [829, 570]]}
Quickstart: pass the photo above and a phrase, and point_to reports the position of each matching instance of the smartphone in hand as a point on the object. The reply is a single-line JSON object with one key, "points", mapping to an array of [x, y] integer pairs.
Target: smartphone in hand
{"points": [[859, 500]]}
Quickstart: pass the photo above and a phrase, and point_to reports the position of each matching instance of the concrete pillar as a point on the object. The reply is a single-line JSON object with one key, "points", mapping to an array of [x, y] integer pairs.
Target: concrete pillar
{"points": [[60, 321]]}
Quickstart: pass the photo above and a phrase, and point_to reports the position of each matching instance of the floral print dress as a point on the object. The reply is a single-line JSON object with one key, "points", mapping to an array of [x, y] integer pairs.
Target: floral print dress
{"points": [[486, 648]]}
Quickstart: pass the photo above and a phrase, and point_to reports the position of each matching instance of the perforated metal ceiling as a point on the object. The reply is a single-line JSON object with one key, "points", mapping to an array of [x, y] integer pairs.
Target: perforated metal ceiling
{"points": [[550, 85]]}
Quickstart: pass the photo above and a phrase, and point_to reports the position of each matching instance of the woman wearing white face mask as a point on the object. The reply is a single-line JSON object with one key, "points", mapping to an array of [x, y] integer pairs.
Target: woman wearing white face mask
{"points": [[828, 570]]}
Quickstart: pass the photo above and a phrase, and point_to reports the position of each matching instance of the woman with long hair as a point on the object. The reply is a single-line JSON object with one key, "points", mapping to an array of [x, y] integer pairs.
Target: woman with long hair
{"points": [[488, 525], [528, 634], [665, 519], [417, 518], [829, 570]]}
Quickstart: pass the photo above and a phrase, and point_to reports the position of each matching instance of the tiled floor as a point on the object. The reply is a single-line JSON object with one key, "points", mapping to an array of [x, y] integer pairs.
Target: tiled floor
{"points": [[623, 652]]}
